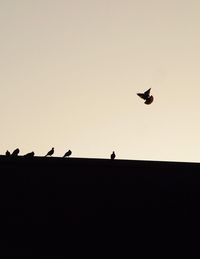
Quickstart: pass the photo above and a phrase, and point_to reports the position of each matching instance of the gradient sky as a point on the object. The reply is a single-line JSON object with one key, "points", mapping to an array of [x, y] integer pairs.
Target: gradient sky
{"points": [[70, 71]]}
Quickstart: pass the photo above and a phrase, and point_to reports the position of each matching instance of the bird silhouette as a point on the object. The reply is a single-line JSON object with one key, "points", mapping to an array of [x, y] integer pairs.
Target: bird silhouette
{"points": [[68, 153], [15, 152], [146, 96], [28, 155], [7, 153], [112, 156], [50, 153]]}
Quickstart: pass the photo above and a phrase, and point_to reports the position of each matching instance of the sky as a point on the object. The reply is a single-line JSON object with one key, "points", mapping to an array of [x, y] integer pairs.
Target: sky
{"points": [[70, 71]]}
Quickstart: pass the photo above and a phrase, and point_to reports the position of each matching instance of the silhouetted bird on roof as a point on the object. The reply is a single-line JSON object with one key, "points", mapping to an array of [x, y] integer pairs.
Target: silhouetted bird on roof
{"points": [[50, 153], [15, 152], [146, 96], [31, 154], [7, 153], [112, 156], [68, 153]]}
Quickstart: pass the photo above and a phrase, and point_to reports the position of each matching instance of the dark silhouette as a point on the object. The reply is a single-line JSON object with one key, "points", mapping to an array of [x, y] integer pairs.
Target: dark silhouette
{"points": [[146, 96], [68, 153], [108, 209], [112, 156], [28, 155], [15, 152], [50, 153], [7, 153]]}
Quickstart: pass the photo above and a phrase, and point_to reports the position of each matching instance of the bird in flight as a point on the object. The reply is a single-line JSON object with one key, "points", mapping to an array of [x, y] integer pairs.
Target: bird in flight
{"points": [[146, 96], [50, 153], [68, 153], [112, 156]]}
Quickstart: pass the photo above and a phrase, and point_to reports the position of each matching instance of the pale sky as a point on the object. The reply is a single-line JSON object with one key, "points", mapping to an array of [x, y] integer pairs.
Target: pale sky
{"points": [[70, 71]]}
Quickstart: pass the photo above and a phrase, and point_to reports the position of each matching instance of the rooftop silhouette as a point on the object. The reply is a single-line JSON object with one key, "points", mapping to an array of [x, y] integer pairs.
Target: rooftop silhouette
{"points": [[54, 206]]}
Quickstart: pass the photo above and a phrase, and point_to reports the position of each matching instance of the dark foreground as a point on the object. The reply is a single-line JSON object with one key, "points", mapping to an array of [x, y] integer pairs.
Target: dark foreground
{"points": [[98, 208]]}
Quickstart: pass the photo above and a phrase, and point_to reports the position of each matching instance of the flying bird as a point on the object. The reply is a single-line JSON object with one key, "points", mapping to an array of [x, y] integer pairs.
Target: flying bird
{"points": [[112, 156], [68, 153], [15, 152], [50, 153], [31, 154], [146, 96]]}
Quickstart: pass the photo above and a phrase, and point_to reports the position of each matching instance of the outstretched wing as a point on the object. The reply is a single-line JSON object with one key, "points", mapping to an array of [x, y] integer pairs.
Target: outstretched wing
{"points": [[141, 95], [147, 93]]}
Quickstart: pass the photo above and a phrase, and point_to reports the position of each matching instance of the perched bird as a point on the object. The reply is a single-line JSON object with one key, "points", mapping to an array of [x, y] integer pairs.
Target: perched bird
{"points": [[15, 152], [146, 96], [50, 153], [68, 153], [112, 156], [7, 153], [31, 154]]}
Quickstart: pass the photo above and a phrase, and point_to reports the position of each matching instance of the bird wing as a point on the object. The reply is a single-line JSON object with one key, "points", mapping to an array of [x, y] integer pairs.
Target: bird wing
{"points": [[147, 93], [141, 95], [50, 152]]}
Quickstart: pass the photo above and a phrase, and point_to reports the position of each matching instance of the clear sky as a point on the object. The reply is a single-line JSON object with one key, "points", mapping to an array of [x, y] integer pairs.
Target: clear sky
{"points": [[70, 71]]}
